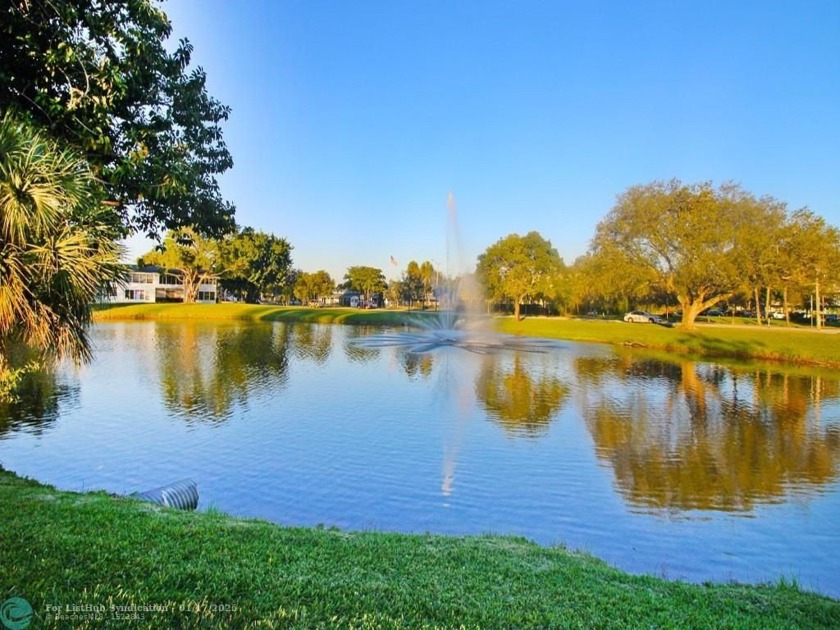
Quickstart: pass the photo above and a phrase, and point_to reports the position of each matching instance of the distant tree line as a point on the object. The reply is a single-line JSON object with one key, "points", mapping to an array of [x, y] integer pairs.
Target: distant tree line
{"points": [[688, 246]]}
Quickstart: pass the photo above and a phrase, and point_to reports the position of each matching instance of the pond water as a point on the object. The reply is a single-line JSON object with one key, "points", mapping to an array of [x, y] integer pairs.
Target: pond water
{"points": [[688, 470]]}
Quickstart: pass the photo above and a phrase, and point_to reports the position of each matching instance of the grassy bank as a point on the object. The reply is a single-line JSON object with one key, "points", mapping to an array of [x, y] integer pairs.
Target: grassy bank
{"points": [[95, 552], [251, 312], [798, 346]]}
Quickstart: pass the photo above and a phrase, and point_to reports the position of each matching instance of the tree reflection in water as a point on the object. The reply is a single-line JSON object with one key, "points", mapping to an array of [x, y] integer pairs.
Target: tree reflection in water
{"points": [[713, 438], [37, 405], [522, 400], [206, 369]]}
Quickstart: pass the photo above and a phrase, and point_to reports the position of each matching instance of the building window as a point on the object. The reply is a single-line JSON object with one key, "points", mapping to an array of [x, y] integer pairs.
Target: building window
{"points": [[142, 278], [206, 296], [135, 294]]}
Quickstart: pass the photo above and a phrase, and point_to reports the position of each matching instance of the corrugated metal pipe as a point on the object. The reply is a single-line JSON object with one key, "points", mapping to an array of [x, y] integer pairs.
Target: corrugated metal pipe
{"points": [[180, 494]]}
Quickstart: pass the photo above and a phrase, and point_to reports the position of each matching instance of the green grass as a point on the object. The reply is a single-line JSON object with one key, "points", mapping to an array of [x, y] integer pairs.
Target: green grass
{"points": [[799, 346], [210, 570], [251, 312]]}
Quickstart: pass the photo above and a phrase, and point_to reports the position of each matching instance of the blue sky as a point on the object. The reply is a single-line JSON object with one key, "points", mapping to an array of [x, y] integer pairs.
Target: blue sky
{"points": [[352, 121]]}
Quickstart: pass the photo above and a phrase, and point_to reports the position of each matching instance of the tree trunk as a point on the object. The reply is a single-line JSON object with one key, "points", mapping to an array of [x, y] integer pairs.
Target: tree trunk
{"points": [[516, 308], [819, 310], [190, 279], [785, 305], [690, 312], [767, 305], [757, 306], [692, 307]]}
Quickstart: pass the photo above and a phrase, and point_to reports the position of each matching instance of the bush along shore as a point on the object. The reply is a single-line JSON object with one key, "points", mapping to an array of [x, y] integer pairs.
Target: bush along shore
{"points": [[796, 346], [94, 560]]}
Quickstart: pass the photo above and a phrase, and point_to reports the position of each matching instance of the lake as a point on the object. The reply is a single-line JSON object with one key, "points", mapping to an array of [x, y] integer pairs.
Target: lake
{"points": [[682, 469]]}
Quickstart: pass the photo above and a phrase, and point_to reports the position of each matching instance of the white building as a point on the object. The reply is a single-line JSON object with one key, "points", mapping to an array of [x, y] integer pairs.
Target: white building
{"points": [[156, 285]]}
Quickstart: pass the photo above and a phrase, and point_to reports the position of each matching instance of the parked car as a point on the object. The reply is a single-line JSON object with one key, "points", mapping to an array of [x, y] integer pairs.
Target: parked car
{"points": [[777, 315], [642, 317]]}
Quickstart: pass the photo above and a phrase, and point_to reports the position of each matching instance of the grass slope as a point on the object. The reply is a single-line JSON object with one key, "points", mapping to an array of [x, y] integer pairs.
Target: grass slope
{"points": [[799, 346], [251, 312], [60, 549]]}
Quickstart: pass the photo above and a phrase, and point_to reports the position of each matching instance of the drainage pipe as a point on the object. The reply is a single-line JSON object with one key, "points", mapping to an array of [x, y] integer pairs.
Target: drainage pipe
{"points": [[180, 494]]}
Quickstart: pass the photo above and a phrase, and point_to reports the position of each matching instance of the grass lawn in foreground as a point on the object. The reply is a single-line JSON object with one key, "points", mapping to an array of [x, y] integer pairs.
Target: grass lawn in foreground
{"points": [[795, 345], [98, 553]]}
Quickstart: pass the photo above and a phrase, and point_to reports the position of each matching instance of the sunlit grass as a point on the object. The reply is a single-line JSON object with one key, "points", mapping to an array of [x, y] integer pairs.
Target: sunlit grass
{"points": [[253, 312], [800, 346], [215, 571]]}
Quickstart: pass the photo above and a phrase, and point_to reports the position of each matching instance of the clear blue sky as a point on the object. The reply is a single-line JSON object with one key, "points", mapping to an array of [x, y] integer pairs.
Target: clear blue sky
{"points": [[352, 121]]}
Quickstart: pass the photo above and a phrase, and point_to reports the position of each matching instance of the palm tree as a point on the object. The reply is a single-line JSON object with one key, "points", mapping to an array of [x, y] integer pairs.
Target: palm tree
{"points": [[57, 250]]}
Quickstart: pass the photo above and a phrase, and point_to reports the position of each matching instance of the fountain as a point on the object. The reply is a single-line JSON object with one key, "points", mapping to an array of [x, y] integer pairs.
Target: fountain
{"points": [[457, 324]]}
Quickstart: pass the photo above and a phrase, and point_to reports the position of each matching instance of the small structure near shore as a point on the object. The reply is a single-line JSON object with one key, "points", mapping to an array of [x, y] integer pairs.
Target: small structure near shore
{"points": [[180, 494]]}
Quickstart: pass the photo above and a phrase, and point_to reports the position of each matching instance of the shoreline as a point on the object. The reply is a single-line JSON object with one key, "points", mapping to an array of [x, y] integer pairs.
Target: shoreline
{"points": [[793, 346], [92, 554]]}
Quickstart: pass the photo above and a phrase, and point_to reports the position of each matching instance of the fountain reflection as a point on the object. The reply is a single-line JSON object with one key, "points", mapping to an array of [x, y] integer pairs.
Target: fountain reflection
{"points": [[712, 438]]}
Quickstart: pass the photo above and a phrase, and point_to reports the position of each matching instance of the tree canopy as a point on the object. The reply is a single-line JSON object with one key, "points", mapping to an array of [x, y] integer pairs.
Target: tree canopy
{"points": [[366, 280], [187, 252], [253, 263], [813, 251], [98, 76], [310, 286], [686, 238], [517, 267]]}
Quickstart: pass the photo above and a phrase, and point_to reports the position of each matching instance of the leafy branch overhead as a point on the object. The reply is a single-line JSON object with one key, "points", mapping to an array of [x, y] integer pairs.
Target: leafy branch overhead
{"points": [[98, 76]]}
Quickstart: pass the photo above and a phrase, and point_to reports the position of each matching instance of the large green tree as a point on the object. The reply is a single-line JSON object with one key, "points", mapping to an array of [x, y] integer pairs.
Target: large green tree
{"points": [[686, 237], [758, 254], [193, 256], [367, 280], [310, 286], [57, 249], [100, 76], [411, 284], [813, 252], [255, 263], [519, 267]]}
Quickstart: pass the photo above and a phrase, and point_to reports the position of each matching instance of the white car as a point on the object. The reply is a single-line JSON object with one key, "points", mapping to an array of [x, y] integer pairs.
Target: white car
{"points": [[642, 317], [777, 315]]}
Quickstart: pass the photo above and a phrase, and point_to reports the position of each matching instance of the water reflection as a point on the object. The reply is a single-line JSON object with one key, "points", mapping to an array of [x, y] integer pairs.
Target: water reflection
{"points": [[359, 352], [273, 424], [309, 342], [206, 370], [37, 405], [521, 399], [417, 364], [698, 436]]}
